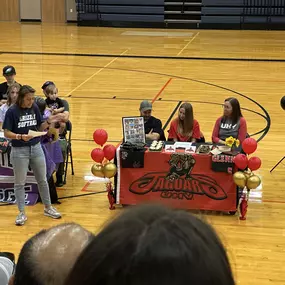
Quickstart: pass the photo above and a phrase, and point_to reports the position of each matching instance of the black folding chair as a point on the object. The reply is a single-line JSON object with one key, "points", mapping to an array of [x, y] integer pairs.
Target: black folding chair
{"points": [[68, 151]]}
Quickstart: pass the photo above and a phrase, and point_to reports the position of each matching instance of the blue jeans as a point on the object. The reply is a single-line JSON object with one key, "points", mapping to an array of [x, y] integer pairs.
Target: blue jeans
{"points": [[21, 158]]}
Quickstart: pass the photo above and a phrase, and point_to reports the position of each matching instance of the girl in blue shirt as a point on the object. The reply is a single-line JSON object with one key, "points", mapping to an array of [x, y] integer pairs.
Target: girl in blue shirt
{"points": [[26, 150]]}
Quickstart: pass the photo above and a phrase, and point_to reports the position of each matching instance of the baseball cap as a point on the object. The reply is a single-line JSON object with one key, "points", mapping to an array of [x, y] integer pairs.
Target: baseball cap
{"points": [[9, 70], [46, 84], [6, 267], [145, 105]]}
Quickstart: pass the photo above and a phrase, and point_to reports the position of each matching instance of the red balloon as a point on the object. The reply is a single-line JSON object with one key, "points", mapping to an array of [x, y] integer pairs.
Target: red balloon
{"points": [[241, 161], [254, 163], [249, 145], [100, 137], [109, 151], [97, 155]]}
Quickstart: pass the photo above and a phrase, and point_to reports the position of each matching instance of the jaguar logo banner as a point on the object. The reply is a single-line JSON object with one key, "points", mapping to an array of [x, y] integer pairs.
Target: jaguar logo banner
{"points": [[179, 179], [7, 193]]}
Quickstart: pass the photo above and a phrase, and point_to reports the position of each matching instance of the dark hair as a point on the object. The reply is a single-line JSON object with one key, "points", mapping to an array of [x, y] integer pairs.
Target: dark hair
{"points": [[10, 89], [25, 89], [236, 112], [25, 272], [185, 127], [150, 245], [46, 84], [41, 103]]}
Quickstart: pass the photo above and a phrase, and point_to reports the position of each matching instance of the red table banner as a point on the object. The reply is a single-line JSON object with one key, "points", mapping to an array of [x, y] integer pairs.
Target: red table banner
{"points": [[181, 180]]}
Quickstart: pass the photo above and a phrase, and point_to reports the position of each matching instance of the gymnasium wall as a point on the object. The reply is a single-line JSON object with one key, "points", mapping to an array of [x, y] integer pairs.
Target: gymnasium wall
{"points": [[51, 11]]}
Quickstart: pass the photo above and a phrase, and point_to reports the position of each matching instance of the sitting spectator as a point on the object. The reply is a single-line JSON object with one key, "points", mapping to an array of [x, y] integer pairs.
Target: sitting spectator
{"points": [[152, 126], [62, 138], [232, 123], [55, 104], [9, 73], [47, 257], [150, 245], [7, 267], [185, 128], [12, 95]]}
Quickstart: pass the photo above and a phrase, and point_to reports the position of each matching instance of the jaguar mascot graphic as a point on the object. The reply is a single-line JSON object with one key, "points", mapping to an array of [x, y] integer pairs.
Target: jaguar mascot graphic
{"points": [[180, 165], [179, 180]]}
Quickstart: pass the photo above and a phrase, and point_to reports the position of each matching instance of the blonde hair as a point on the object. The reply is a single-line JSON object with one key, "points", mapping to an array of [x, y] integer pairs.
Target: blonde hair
{"points": [[50, 89], [10, 89]]}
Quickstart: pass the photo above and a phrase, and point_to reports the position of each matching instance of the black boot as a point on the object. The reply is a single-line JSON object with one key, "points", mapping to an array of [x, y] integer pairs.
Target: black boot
{"points": [[59, 181]]}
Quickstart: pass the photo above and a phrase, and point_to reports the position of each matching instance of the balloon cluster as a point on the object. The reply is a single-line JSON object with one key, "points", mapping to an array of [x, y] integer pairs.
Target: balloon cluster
{"points": [[246, 178], [103, 167]]}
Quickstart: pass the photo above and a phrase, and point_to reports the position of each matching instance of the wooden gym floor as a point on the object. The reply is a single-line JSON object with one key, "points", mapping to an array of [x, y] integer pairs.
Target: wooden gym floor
{"points": [[148, 64]]}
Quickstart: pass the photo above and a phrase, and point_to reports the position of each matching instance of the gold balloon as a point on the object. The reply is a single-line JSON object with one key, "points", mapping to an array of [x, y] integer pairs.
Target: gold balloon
{"points": [[97, 170], [247, 173], [110, 170], [52, 132], [240, 179], [253, 182]]}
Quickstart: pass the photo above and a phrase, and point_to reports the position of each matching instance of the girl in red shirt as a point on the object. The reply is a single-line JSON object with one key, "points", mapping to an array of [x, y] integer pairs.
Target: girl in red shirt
{"points": [[232, 123], [185, 128]]}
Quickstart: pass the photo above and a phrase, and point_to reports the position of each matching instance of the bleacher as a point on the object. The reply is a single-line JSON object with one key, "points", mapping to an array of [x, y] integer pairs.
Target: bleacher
{"points": [[147, 13], [243, 14], [207, 14]]}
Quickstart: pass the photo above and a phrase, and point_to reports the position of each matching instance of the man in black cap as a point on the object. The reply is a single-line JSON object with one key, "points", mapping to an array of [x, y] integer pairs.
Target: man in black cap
{"points": [[9, 73], [152, 126]]}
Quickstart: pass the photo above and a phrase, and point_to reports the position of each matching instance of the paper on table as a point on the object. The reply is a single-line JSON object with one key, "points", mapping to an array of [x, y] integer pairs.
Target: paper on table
{"points": [[182, 145], [36, 134], [216, 151], [169, 148]]}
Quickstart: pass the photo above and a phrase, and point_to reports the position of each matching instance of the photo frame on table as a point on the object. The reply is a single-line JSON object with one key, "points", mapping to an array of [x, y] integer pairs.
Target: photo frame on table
{"points": [[133, 129]]}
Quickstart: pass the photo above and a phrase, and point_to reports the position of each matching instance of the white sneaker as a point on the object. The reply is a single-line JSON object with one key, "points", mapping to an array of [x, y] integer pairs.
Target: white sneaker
{"points": [[52, 212], [21, 219]]}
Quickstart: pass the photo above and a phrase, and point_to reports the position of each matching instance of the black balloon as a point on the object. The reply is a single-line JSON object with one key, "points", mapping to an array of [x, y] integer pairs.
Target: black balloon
{"points": [[282, 102]]}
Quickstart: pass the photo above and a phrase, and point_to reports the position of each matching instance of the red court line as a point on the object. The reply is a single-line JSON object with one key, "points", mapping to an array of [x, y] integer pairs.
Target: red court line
{"points": [[86, 186], [152, 101], [161, 90]]}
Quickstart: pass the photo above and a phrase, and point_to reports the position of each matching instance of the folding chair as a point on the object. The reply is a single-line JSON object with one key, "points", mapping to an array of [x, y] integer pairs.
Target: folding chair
{"points": [[68, 151]]}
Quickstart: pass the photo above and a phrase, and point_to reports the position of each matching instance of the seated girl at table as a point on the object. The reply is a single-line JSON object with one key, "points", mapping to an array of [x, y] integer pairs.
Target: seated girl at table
{"points": [[232, 123], [12, 95], [185, 128]]}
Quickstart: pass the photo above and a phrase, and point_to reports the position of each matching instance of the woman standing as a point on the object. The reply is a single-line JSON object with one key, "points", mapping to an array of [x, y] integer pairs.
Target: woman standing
{"points": [[185, 128], [232, 123], [27, 150], [12, 94]]}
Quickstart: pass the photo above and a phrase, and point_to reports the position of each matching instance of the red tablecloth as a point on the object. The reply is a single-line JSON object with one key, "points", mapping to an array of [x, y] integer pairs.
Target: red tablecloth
{"points": [[181, 180]]}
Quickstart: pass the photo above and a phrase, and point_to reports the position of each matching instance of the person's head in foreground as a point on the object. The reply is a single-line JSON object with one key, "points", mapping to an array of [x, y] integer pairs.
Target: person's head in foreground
{"points": [[151, 245], [9, 72], [232, 109], [47, 257], [145, 109]]}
